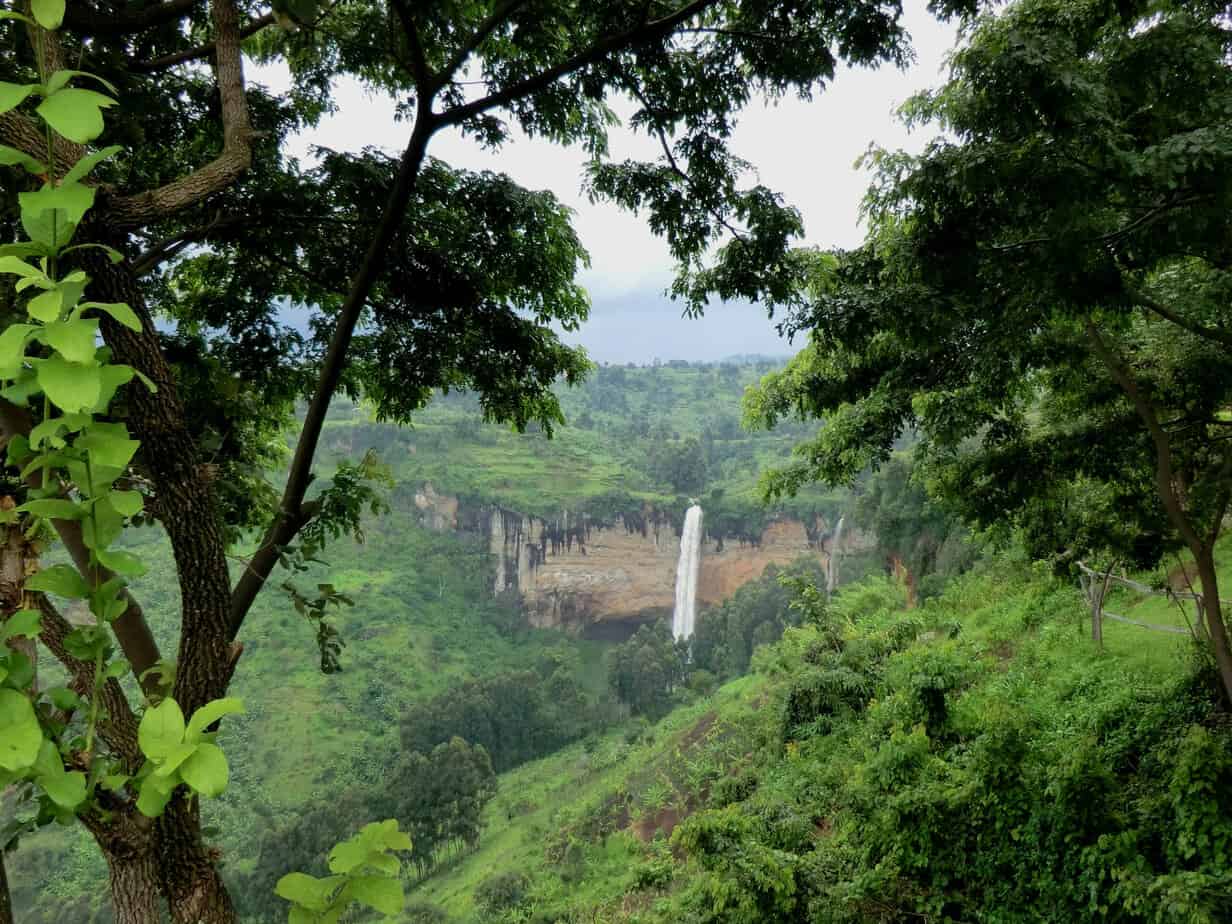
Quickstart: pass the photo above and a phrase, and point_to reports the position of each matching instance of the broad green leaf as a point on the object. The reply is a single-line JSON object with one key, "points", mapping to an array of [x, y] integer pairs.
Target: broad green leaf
{"points": [[14, 94], [74, 340], [118, 310], [95, 480], [46, 306], [62, 580], [22, 249], [118, 668], [210, 713], [65, 789], [381, 893], [19, 267], [54, 508], [128, 503], [48, 13], [81, 169], [22, 624], [300, 915], [11, 157], [70, 386], [112, 377], [161, 729], [20, 735], [51, 428], [125, 563], [155, 794], [172, 761], [59, 80], [19, 392], [384, 835], [102, 527], [63, 698], [308, 891], [85, 643], [51, 214], [75, 113], [116, 781], [109, 444], [206, 770], [21, 670], [13, 348]]}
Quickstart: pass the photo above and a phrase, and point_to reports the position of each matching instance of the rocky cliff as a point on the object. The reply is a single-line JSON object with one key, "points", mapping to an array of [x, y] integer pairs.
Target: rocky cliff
{"points": [[604, 579]]}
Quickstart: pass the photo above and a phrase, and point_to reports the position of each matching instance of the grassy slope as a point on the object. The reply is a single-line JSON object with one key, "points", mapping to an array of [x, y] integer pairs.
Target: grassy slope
{"points": [[1026, 634]]}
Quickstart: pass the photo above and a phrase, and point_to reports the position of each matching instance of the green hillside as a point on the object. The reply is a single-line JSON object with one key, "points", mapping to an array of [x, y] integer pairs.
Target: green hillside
{"points": [[738, 807]]}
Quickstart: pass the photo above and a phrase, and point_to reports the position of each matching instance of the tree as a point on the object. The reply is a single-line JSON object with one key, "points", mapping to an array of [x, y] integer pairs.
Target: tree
{"points": [[418, 276], [644, 671], [1043, 294]]}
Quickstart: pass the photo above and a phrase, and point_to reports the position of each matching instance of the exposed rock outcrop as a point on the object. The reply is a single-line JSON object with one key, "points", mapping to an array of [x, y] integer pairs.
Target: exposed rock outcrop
{"points": [[576, 575]]}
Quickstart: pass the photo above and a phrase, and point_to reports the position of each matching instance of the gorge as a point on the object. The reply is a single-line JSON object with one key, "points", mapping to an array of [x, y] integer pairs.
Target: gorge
{"points": [[602, 578]]}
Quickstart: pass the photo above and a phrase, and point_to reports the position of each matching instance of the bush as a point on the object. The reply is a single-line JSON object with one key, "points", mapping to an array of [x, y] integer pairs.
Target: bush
{"points": [[501, 893]]}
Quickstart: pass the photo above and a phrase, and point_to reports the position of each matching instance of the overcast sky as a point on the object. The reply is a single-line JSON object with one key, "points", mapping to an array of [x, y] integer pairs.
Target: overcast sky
{"points": [[805, 150]]}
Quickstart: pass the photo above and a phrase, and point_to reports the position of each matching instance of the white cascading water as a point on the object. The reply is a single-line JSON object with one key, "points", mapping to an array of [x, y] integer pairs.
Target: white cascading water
{"points": [[686, 574], [832, 564]]}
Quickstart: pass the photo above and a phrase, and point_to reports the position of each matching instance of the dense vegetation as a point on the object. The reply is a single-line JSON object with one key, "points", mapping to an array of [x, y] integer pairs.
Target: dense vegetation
{"points": [[1020, 374]]}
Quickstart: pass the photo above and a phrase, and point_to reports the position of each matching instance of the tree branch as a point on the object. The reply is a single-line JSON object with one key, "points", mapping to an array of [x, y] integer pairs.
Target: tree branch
{"points": [[292, 513], [1165, 476], [236, 155], [1153, 305], [498, 16], [118, 725], [86, 20], [161, 63], [595, 53], [131, 629], [419, 61]]}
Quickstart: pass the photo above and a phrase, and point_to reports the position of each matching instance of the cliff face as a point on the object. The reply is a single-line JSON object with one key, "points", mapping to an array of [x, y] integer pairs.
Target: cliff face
{"points": [[604, 581]]}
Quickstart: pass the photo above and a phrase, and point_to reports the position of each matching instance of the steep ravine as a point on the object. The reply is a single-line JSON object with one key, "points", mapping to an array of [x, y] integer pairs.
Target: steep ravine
{"points": [[605, 581]]}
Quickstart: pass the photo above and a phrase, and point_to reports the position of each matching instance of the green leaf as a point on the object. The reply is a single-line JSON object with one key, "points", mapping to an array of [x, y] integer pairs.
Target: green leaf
{"points": [[81, 169], [51, 214], [67, 790], [54, 508], [63, 698], [155, 794], [308, 891], [74, 340], [13, 348], [161, 729], [381, 893], [62, 580], [109, 444], [127, 503], [102, 527], [75, 113], [71, 387], [46, 306], [112, 377], [20, 735], [120, 562], [11, 157], [22, 624], [118, 310], [14, 94], [59, 80], [172, 761], [210, 713], [48, 13], [19, 267], [206, 770], [118, 668]]}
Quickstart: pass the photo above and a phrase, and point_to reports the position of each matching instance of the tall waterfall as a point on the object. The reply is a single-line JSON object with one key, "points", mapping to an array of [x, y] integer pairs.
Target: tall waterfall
{"points": [[686, 574], [832, 564]]}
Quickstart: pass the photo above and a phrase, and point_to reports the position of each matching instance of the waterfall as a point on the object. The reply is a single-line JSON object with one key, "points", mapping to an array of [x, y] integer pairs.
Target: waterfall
{"points": [[686, 574], [832, 564]]}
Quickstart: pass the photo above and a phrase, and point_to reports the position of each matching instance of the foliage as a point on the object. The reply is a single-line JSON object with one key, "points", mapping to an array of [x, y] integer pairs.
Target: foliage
{"points": [[1040, 296], [644, 672], [363, 871]]}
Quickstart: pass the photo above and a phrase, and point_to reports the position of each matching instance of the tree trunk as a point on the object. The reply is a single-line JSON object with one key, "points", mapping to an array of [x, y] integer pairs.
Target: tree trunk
{"points": [[135, 894], [187, 869], [6, 900], [1216, 629]]}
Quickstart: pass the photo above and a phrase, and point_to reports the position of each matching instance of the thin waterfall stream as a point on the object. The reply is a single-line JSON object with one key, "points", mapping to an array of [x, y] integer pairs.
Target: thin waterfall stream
{"points": [[687, 569]]}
